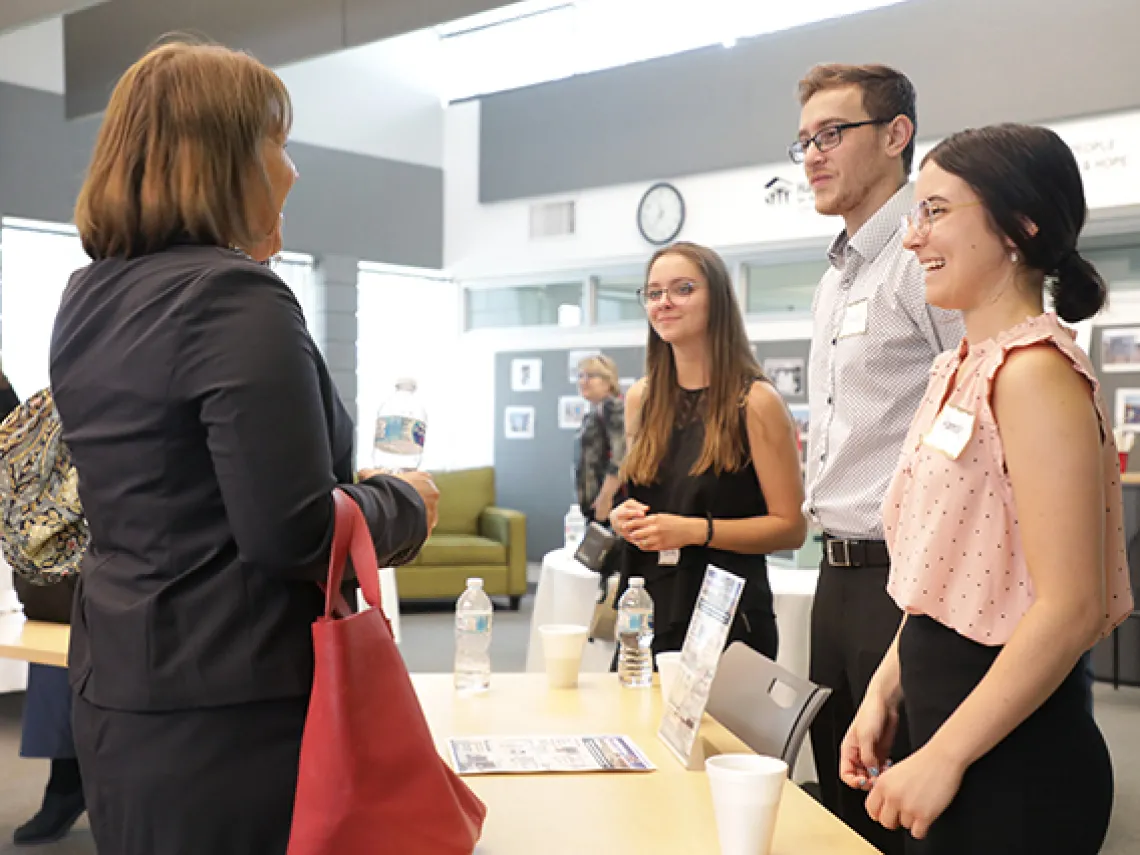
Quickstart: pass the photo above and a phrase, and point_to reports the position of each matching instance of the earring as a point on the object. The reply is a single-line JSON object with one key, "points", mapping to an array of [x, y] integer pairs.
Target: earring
{"points": [[1014, 258]]}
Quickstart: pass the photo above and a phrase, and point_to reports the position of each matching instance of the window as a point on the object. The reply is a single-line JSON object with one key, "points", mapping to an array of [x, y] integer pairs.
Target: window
{"points": [[296, 271], [782, 287], [407, 325], [617, 300], [1120, 266], [523, 306], [35, 266]]}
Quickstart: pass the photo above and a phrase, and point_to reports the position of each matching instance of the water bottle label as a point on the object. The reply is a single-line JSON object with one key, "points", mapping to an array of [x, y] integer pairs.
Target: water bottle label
{"points": [[634, 622], [400, 431], [480, 623]]}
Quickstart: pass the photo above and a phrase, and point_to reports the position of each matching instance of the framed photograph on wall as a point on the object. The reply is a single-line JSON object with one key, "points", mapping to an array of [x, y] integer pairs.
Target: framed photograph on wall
{"points": [[1128, 409], [526, 375], [787, 375], [571, 410], [1120, 349], [518, 423], [574, 359]]}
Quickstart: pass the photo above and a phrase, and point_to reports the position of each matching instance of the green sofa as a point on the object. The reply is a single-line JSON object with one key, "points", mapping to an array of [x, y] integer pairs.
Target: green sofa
{"points": [[472, 538]]}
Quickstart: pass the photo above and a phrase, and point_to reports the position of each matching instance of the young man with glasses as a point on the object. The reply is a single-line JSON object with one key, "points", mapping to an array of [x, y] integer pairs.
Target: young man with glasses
{"points": [[874, 339]]}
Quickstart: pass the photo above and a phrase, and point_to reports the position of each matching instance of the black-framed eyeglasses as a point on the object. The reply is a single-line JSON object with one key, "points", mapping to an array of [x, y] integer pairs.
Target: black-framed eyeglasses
{"points": [[827, 139], [589, 375], [679, 293]]}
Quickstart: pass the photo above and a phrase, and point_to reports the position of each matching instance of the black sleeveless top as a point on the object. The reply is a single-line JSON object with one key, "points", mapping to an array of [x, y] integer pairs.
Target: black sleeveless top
{"points": [[729, 495]]}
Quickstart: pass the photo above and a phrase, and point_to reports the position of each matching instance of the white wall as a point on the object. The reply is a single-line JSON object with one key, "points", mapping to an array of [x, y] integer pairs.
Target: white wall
{"points": [[729, 210], [32, 56], [380, 99]]}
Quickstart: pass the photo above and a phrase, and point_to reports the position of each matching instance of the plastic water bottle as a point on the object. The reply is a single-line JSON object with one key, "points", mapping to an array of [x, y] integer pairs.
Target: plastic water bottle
{"points": [[473, 618], [401, 425], [574, 527], [635, 636]]}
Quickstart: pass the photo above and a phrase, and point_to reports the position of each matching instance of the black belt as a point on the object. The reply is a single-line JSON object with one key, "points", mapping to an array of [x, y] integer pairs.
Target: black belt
{"points": [[855, 553]]}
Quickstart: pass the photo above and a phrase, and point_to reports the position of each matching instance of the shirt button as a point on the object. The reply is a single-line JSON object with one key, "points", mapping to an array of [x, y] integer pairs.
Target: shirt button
{"points": [[829, 400], [835, 341], [822, 458]]}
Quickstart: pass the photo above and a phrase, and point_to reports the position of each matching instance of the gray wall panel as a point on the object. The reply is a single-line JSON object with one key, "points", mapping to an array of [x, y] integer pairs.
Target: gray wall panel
{"points": [[974, 62], [100, 43], [536, 475], [20, 13], [344, 204], [371, 20]]}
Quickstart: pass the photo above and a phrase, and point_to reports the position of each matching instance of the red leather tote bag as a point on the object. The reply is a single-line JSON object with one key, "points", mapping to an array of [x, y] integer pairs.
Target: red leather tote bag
{"points": [[371, 780]]}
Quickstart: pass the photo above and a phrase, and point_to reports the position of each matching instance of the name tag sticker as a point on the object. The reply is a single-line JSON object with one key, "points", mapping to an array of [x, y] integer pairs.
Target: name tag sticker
{"points": [[669, 557], [854, 319], [951, 432]]}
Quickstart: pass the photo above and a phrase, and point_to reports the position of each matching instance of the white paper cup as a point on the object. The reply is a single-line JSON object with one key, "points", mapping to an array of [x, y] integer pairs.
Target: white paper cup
{"points": [[746, 790], [562, 646], [667, 666]]}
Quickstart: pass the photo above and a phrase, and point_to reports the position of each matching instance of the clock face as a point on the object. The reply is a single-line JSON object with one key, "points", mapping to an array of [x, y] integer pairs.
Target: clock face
{"points": [[661, 214]]}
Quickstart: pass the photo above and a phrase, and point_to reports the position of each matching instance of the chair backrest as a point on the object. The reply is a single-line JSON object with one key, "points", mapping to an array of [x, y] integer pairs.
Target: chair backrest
{"points": [[463, 494], [767, 707]]}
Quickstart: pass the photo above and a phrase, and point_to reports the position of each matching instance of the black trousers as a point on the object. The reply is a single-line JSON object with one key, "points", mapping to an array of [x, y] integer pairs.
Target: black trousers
{"points": [[853, 622], [1046, 788], [191, 782]]}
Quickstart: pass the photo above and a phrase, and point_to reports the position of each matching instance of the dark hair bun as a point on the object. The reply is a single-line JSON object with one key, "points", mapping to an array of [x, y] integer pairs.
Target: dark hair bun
{"points": [[1078, 290]]}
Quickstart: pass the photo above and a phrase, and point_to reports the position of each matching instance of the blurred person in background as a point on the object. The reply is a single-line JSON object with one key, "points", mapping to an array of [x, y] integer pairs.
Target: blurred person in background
{"points": [[600, 448], [208, 437]]}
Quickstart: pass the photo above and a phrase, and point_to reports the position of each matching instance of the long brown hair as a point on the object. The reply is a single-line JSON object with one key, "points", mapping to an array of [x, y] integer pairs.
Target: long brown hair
{"points": [[732, 368], [179, 152]]}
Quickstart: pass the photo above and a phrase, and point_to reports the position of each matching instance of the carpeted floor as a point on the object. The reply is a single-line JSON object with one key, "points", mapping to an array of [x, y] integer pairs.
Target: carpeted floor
{"points": [[427, 646]]}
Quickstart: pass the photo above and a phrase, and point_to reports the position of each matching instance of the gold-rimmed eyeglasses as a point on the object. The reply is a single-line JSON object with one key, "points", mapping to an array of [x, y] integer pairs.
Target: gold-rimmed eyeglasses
{"points": [[925, 213]]}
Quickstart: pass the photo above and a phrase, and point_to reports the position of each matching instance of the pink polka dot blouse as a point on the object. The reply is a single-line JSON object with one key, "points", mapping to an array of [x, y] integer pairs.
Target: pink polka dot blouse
{"points": [[951, 524]]}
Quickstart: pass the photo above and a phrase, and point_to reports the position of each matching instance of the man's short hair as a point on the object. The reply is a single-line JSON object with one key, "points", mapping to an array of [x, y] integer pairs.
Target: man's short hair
{"points": [[887, 93]]}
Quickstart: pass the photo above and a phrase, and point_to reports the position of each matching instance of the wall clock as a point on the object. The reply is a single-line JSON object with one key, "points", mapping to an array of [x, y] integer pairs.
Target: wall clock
{"points": [[661, 214]]}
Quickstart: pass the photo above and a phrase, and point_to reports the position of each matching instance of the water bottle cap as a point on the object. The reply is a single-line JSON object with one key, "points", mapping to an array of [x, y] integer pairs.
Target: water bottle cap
{"points": [[406, 384], [474, 582], [575, 509], [636, 582]]}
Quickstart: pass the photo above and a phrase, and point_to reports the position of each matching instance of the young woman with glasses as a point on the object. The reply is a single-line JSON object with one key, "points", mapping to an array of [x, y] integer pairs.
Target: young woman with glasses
{"points": [[1004, 522], [712, 472]]}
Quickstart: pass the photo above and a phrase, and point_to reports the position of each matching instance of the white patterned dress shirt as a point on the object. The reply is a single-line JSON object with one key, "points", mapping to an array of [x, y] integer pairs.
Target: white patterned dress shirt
{"points": [[874, 339]]}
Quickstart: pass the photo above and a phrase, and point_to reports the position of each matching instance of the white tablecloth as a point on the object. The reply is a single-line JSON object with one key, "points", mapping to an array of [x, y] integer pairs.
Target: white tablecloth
{"points": [[567, 593]]}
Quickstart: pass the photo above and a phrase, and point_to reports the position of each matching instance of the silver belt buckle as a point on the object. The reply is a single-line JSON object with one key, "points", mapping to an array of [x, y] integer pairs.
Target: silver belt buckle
{"points": [[832, 558]]}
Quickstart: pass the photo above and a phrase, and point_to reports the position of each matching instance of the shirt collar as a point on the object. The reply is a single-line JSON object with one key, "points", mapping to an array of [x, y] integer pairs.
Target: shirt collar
{"points": [[876, 233]]}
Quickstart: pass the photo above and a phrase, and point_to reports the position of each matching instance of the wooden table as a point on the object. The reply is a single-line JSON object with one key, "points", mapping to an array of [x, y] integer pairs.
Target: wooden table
{"points": [[33, 640], [663, 812]]}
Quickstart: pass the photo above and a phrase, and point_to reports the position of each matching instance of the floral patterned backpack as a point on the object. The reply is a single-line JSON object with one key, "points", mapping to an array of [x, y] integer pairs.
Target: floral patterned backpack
{"points": [[42, 528]]}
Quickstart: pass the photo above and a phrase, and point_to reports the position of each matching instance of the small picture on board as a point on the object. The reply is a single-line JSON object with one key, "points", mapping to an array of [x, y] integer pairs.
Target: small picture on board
{"points": [[571, 410], [575, 359], [518, 423], [1120, 349], [526, 375], [1128, 409], [801, 415], [787, 375]]}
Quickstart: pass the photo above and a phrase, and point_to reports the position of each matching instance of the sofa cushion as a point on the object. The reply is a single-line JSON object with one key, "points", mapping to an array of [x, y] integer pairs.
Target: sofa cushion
{"points": [[463, 493], [457, 549]]}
